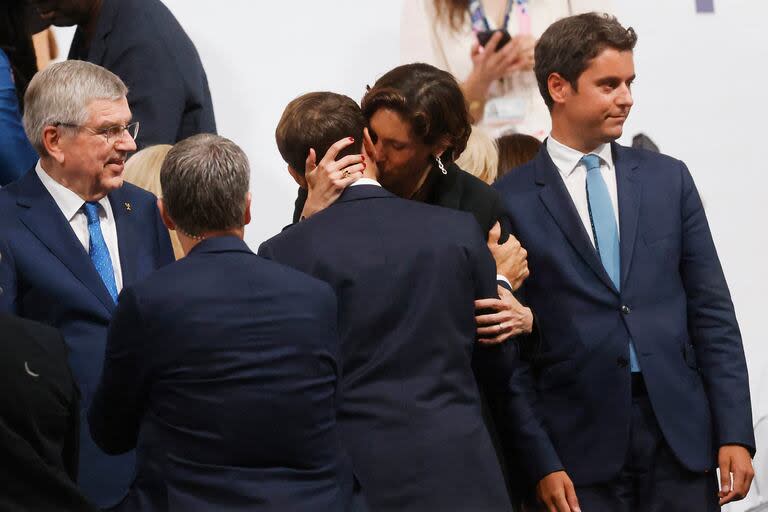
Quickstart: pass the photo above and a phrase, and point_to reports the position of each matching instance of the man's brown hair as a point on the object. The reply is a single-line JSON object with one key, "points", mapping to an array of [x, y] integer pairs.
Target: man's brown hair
{"points": [[318, 120], [429, 99], [568, 45]]}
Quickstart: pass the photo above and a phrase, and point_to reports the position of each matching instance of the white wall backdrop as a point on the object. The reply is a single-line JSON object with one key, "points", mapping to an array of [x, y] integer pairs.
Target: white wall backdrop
{"points": [[699, 95]]}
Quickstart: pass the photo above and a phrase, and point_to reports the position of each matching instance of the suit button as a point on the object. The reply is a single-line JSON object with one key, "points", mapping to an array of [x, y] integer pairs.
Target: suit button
{"points": [[622, 361], [625, 309]]}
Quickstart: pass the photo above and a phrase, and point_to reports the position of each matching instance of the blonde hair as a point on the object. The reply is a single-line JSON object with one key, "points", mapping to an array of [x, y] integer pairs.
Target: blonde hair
{"points": [[143, 170], [480, 158]]}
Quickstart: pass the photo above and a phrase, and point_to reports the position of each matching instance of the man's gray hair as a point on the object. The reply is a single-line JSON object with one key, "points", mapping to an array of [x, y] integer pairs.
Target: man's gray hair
{"points": [[61, 94], [205, 183]]}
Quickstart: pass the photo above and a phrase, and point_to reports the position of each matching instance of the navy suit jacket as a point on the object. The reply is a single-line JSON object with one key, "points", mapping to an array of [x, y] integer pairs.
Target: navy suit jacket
{"points": [[50, 278], [573, 394], [141, 42], [222, 371], [406, 275]]}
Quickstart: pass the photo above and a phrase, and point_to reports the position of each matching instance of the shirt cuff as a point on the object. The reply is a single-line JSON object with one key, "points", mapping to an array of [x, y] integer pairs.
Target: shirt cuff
{"points": [[503, 281]]}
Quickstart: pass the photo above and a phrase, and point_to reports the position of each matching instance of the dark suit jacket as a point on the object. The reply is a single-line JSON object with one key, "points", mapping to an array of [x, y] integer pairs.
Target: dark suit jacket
{"points": [[457, 190], [51, 279], [406, 275], [222, 371], [39, 419], [141, 42], [574, 394]]}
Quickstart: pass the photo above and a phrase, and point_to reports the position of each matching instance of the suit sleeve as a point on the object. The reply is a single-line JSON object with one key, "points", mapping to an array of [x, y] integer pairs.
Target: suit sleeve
{"points": [[121, 395], [8, 285], [525, 437], [712, 324]]}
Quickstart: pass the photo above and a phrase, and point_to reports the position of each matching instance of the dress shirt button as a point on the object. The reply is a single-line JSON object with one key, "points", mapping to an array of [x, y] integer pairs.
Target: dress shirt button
{"points": [[625, 309], [622, 361]]}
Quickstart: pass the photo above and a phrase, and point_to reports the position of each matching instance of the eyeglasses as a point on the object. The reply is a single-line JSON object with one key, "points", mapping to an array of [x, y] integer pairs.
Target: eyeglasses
{"points": [[112, 134]]}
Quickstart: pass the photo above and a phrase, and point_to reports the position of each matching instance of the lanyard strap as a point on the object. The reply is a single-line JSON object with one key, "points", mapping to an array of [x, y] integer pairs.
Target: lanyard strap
{"points": [[480, 21]]}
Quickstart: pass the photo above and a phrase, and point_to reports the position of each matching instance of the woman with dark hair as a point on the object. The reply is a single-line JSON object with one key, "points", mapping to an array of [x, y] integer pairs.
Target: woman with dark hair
{"points": [[17, 67], [496, 76], [419, 124]]}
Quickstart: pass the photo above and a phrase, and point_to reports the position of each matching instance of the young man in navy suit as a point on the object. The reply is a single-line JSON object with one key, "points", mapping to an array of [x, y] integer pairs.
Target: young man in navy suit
{"points": [[638, 388], [77, 234], [222, 369], [406, 275]]}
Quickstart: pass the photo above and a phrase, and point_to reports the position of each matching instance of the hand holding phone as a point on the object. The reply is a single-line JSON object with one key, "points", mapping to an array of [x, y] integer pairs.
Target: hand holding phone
{"points": [[485, 36]]}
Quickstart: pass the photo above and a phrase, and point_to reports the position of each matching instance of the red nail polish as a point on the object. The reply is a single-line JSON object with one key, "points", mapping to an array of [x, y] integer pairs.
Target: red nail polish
{"points": [[364, 166], [363, 157], [351, 139]]}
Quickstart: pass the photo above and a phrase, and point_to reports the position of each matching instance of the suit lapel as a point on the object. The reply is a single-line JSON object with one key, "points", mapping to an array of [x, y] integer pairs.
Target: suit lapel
{"points": [[558, 202], [127, 244], [44, 219], [629, 192]]}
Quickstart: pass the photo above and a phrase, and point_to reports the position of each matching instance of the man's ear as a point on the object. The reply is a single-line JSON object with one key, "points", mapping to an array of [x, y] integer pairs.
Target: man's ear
{"points": [[167, 220], [369, 148], [247, 217], [53, 143], [299, 178], [559, 88]]}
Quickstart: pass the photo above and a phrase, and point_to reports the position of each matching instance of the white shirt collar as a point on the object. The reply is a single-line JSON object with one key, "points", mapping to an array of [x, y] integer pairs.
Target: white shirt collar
{"points": [[566, 159], [68, 201], [365, 181]]}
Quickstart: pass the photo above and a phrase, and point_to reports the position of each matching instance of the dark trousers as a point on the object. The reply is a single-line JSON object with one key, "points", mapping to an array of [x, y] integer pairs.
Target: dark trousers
{"points": [[652, 479]]}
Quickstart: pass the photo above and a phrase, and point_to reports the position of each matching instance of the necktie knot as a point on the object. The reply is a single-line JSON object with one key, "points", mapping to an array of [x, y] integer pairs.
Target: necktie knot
{"points": [[91, 212], [591, 162]]}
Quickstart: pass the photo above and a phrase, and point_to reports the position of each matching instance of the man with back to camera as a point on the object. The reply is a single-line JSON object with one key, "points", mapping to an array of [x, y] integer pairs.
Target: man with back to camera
{"points": [[77, 234], [406, 275], [222, 369], [638, 390], [141, 42]]}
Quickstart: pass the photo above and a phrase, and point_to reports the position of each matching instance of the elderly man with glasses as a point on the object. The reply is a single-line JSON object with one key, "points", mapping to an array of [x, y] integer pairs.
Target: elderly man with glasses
{"points": [[76, 234]]}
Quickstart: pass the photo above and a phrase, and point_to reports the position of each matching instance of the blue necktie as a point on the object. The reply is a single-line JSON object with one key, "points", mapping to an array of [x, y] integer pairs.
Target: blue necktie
{"points": [[605, 230], [97, 249]]}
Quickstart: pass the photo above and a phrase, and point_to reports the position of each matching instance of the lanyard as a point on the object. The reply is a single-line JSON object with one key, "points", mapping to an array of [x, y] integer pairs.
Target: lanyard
{"points": [[480, 22]]}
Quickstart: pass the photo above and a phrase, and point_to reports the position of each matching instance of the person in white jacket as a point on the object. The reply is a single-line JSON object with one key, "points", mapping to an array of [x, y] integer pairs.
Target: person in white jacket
{"points": [[499, 85]]}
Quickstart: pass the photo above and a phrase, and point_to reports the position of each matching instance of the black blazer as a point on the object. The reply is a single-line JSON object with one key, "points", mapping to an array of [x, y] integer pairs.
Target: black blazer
{"points": [[141, 42], [406, 275], [457, 190], [39, 420]]}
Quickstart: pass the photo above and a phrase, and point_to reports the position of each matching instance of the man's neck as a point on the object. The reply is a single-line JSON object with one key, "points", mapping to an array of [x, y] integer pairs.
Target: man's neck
{"points": [[570, 136], [188, 242], [57, 174]]}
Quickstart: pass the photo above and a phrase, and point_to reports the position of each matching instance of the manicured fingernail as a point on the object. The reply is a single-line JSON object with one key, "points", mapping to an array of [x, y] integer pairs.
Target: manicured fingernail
{"points": [[363, 157], [364, 165], [351, 139], [726, 489]]}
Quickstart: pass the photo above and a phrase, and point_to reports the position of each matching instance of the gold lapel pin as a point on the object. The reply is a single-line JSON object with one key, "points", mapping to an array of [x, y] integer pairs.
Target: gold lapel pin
{"points": [[127, 206]]}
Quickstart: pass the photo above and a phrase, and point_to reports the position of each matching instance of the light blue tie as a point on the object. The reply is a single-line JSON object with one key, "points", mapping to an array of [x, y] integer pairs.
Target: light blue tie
{"points": [[98, 251], [605, 231]]}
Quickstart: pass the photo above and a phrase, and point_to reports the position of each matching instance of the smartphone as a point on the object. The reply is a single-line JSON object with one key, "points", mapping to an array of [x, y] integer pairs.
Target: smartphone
{"points": [[485, 36]]}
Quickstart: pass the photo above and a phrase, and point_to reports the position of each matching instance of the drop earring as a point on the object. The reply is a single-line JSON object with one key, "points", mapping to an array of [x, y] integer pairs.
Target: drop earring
{"points": [[440, 164]]}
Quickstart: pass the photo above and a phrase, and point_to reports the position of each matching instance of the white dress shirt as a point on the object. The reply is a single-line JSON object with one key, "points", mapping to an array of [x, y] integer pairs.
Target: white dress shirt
{"points": [[574, 175], [365, 181], [71, 206]]}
